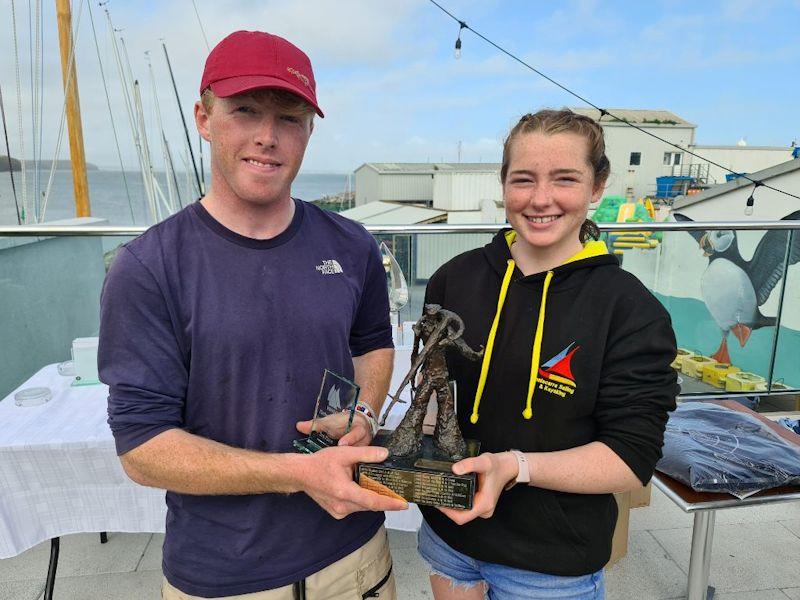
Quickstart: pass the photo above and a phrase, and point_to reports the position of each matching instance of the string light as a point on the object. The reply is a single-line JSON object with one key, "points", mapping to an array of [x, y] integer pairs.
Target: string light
{"points": [[457, 51], [748, 207], [603, 112]]}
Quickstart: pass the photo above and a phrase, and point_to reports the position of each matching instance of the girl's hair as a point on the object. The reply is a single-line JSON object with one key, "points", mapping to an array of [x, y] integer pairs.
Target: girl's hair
{"points": [[285, 101], [551, 122]]}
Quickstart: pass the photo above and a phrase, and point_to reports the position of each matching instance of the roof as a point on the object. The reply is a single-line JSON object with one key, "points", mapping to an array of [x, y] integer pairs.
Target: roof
{"points": [[379, 212], [429, 168], [650, 118], [735, 184]]}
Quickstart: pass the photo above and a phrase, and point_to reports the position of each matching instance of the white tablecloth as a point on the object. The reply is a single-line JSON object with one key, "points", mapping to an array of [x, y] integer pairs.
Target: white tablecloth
{"points": [[59, 472]]}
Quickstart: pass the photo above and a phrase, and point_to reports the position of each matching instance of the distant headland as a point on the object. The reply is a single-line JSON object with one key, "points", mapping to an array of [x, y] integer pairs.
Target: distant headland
{"points": [[16, 165]]}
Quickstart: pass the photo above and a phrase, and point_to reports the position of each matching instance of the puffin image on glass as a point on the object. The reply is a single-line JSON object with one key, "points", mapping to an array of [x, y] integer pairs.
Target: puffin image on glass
{"points": [[419, 467]]}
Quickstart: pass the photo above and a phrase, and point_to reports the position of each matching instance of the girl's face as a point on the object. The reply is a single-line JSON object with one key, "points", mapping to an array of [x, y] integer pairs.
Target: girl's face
{"points": [[547, 190]]}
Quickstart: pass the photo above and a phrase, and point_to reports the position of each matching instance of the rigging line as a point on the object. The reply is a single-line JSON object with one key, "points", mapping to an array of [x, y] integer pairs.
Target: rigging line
{"points": [[110, 112], [40, 51], [32, 64], [20, 127], [202, 29], [34, 26], [602, 110], [8, 156], [183, 120], [70, 73], [127, 96], [160, 126], [172, 170]]}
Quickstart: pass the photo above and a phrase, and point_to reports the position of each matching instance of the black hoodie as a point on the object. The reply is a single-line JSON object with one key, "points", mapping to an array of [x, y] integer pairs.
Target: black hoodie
{"points": [[600, 345]]}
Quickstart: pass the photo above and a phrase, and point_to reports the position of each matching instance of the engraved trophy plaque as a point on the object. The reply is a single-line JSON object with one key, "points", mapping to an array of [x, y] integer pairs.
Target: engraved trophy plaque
{"points": [[419, 467], [333, 412]]}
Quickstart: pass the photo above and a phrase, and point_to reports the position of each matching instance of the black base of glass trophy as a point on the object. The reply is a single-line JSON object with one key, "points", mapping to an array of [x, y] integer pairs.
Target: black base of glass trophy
{"points": [[426, 478], [314, 442]]}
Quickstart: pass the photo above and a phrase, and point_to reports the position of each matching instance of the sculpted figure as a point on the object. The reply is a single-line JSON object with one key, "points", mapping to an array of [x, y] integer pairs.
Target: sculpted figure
{"points": [[438, 329]]}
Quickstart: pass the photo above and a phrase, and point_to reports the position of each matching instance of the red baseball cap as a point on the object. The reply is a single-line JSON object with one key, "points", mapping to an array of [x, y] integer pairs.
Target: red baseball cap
{"points": [[252, 60]]}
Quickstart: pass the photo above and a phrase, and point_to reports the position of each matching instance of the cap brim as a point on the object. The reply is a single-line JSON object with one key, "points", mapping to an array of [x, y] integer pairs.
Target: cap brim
{"points": [[248, 83]]}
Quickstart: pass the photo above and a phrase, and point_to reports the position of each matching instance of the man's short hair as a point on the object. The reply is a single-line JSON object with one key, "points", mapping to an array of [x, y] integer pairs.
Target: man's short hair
{"points": [[285, 101]]}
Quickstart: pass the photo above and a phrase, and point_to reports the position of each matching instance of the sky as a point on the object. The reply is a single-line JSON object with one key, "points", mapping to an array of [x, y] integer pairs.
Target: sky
{"points": [[390, 86]]}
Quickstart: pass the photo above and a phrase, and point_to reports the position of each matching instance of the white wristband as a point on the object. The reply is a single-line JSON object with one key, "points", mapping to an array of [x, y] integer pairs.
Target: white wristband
{"points": [[366, 411]]}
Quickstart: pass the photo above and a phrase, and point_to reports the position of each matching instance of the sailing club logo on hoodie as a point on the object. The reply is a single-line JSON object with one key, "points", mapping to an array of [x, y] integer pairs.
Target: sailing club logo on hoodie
{"points": [[555, 376]]}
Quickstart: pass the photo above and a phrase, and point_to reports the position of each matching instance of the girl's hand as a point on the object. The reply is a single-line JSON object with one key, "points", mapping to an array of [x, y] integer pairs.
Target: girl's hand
{"points": [[494, 472]]}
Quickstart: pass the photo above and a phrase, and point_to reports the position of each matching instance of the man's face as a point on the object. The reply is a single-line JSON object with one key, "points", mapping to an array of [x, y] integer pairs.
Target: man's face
{"points": [[256, 147]]}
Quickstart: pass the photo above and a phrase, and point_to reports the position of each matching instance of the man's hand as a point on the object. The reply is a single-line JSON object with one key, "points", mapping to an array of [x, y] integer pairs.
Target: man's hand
{"points": [[360, 433], [329, 482], [494, 472]]}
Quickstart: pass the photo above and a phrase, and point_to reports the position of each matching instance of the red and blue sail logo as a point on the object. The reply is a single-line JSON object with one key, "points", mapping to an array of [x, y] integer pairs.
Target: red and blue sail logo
{"points": [[559, 368]]}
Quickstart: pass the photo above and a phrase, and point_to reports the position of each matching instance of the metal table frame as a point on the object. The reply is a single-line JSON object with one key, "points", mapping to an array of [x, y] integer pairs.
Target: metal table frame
{"points": [[703, 529]]}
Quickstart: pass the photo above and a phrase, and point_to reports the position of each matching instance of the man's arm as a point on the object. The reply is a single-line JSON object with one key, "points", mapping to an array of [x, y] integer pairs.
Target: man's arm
{"points": [[373, 373], [182, 462]]}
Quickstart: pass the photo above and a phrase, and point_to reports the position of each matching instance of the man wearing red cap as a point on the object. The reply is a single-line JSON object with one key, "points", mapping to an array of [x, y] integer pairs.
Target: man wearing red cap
{"points": [[216, 326]]}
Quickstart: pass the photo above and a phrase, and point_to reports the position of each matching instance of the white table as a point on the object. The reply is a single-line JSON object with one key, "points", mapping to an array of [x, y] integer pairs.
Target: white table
{"points": [[59, 472]]}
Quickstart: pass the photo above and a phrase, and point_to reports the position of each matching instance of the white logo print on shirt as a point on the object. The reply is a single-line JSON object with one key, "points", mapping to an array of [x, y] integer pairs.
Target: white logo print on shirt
{"points": [[330, 267]]}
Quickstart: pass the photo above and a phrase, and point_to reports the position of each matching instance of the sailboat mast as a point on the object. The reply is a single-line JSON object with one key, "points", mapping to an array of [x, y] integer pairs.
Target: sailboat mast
{"points": [[80, 183]]}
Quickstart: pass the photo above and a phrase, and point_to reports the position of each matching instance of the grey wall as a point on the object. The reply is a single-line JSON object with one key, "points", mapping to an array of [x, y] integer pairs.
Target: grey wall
{"points": [[49, 295]]}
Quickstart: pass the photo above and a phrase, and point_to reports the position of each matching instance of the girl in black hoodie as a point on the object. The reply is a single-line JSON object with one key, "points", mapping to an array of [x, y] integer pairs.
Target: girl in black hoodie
{"points": [[571, 398]]}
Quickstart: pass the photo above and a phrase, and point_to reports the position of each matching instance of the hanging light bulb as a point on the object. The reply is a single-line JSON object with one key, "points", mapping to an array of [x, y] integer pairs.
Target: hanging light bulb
{"points": [[751, 200], [748, 208], [457, 51]]}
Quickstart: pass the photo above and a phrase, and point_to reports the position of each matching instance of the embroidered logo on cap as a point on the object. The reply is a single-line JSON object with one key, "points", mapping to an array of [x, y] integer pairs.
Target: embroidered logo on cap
{"points": [[299, 75]]}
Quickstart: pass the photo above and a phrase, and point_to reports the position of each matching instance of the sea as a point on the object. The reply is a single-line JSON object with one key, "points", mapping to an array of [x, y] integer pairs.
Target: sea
{"points": [[119, 197]]}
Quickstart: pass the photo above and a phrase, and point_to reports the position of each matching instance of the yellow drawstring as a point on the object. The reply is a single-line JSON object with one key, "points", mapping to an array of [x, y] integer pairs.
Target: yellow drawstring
{"points": [[537, 348], [487, 353]]}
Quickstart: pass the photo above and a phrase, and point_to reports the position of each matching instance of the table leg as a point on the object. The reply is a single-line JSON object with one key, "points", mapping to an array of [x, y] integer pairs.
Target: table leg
{"points": [[700, 560], [51, 569], [103, 537]]}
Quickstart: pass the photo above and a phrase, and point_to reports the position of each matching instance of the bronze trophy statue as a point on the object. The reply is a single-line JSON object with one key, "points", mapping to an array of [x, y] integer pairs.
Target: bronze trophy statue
{"points": [[438, 329], [419, 467]]}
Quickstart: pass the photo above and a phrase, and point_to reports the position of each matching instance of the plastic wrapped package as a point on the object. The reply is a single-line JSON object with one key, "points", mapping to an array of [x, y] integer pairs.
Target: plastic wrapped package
{"points": [[714, 449]]}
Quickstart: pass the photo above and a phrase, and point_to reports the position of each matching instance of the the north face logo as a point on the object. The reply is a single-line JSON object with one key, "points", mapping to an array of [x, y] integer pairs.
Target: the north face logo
{"points": [[330, 267]]}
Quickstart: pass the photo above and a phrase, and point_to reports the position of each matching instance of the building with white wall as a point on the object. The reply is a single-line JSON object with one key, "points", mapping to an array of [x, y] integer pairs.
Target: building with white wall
{"points": [[740, 158], [466, 192], [637, 159], [727, 202]]}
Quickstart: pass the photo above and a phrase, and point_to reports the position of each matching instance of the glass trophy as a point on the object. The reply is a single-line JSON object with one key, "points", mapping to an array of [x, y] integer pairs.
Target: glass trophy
{"points": [[398, 288], [333, 413]]}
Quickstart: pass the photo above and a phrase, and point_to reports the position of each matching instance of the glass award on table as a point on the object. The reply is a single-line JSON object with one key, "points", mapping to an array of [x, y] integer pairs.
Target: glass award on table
{"points": [[333, 413]]}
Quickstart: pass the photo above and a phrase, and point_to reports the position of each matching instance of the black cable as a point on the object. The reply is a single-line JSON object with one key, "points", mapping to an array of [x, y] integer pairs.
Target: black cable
{"points": [[10, 164], [603, 111]]}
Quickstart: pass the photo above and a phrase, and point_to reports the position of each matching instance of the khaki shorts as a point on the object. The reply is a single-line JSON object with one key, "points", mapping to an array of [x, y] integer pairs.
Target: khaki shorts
{"points": [[364, 573]]}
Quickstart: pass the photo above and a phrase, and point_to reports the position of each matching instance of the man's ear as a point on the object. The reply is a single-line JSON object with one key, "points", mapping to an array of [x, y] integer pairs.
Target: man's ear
{"points": [[201, 118]]}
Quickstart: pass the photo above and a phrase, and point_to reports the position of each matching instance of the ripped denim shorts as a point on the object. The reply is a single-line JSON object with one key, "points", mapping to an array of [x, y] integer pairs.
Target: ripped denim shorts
{"points": [[502, 582]]}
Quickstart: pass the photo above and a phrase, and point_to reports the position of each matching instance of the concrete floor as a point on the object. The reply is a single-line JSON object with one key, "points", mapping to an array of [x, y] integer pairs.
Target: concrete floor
{"points": [[756, 557]]}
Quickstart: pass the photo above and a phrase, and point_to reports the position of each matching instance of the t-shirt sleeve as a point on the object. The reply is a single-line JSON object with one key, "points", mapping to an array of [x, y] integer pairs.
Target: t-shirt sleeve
{"points": [[139, 357], [637, 388], [371, 328]]}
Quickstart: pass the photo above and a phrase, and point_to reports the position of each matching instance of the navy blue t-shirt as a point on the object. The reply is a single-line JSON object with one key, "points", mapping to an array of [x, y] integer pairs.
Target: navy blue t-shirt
{"points": [[227, 338]]}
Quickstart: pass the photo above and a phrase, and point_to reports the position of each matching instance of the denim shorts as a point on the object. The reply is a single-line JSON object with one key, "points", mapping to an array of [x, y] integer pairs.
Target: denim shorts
{"points": [[504, 583]]}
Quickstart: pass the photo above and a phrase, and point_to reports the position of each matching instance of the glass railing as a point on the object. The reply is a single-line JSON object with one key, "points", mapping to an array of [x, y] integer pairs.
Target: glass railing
{"points": [[730, 288]]}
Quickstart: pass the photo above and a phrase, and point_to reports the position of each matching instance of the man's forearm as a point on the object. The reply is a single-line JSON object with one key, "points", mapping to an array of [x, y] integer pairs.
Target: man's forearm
{"points": [[182, 462], [373, 373]]}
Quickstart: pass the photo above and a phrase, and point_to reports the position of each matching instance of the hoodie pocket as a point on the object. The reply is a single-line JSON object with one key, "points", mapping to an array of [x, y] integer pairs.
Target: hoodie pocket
{"points": [[562, 523]]}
